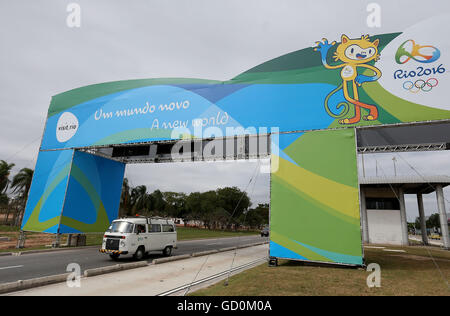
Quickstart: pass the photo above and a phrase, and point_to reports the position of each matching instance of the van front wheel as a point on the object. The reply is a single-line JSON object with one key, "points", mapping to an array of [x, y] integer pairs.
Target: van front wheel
{"points": [[139, 255], [167, 251]]}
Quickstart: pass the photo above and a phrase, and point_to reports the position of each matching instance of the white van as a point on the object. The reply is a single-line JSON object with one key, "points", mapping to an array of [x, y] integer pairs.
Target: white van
{"points": [[139, 235]]}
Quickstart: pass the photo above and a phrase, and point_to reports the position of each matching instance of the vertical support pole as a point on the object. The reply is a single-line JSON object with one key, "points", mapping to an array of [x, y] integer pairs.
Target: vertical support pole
{"points": [[69, 240], [21, 240], [423, 222], [442, 216], [57, 242], [364, 218], [404, 223]]}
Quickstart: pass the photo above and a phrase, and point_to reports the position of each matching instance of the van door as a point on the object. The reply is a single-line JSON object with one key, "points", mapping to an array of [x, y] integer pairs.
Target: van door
{"points": [[140, 233], [155, 237], [169, 235]]}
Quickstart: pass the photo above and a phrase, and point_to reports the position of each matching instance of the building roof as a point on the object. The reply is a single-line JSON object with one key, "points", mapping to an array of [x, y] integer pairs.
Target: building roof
{"points": [[410, 184]]}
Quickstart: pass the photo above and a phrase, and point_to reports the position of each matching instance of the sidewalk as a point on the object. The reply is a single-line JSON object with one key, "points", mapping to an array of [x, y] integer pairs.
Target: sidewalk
{"points": [[154, 279], [430, 241]]}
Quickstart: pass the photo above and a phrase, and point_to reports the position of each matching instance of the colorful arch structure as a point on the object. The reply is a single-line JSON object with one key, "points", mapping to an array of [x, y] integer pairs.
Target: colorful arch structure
{"points": [[310, 101]]}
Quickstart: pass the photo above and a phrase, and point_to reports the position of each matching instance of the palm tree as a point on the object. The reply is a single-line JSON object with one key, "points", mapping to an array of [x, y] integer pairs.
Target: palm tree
{"points": [[21, 184], [125, 198], [140, 199], [5, 170]]}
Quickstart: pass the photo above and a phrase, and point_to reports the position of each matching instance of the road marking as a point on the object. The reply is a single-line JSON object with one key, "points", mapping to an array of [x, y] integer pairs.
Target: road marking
{"points": [[12, 267]]}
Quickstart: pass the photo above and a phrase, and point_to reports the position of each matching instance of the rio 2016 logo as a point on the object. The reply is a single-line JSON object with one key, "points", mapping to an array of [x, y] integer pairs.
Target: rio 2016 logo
{"points": [[424, 54], [421, 53]]}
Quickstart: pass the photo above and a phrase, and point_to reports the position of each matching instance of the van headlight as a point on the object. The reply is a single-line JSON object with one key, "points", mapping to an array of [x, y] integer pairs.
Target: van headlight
{"points": [[122, 243]]}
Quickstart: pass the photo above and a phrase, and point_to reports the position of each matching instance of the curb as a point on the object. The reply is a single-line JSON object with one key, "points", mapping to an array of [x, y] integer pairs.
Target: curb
{"points": [[118, 267], [31, 283], [204, 253], [168, 259], [228, 249]]}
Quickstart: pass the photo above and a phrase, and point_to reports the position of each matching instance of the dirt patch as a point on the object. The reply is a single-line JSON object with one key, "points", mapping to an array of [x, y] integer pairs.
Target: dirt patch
{"points": [[33, 240], [413, 257], [418, 258], [3, 217]]}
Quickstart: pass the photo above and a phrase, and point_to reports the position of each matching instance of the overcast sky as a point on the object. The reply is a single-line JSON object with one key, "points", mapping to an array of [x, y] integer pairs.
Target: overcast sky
{"points": [[41, 56]]}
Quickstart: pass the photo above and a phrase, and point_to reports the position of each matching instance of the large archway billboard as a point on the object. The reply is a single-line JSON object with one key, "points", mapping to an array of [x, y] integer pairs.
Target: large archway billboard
{"points": [[345, 82], [336, 85]]}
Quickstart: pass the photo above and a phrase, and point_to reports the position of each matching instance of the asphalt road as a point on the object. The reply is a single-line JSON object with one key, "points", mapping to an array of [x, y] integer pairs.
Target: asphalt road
{"points": [[29, 266]]}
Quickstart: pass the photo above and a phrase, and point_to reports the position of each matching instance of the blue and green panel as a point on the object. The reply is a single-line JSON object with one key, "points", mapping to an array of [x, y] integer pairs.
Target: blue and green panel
{"points": [[73, 192], [314, 198]]}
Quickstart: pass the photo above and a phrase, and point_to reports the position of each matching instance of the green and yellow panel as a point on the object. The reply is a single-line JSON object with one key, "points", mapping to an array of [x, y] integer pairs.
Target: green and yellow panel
{"points": [[73, 192], [314, 213]]}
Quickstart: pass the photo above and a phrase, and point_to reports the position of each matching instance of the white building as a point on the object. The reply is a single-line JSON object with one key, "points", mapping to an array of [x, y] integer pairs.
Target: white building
{"points": [[383, 212]]}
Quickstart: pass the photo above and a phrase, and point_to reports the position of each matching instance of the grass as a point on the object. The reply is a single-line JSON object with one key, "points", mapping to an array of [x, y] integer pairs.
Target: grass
{"points": [[7, 228], [410, 273], [184, 233]]}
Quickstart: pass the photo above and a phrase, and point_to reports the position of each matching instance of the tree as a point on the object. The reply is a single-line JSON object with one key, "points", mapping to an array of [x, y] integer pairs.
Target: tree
{"points": [[234, 201], [141, 200], [174, 203], [125, 198], [20, 185], [5, 170], [256, 217], [208, 205], [417, 223], [158, 203], [434, 221], [192, 206]]}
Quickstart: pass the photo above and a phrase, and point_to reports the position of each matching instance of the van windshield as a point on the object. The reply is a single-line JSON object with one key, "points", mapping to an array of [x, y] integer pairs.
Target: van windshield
{"points": [[120, 227]]}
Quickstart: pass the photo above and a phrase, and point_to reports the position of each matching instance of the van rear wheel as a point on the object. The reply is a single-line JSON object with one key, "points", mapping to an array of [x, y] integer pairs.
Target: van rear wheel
{"points": [[167, 251]]}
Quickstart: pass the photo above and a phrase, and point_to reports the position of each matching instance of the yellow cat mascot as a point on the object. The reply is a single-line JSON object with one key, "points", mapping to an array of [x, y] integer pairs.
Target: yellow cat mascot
{"points": [[354, 54]]}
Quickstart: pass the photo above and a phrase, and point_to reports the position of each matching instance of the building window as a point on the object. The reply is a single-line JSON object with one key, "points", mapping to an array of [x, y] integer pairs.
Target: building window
{"points": [[382, 204]]}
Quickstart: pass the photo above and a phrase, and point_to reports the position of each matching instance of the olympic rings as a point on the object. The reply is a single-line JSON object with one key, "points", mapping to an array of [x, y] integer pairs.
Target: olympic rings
{"points": [[425, 86]]}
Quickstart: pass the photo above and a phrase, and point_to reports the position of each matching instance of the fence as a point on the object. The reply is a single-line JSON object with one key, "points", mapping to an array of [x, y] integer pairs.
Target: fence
{"points": [[11, 215]]}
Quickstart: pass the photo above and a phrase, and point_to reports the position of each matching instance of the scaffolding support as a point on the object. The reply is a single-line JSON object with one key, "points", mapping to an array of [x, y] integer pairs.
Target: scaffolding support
{"points": [[423, 223], [442, 216]]}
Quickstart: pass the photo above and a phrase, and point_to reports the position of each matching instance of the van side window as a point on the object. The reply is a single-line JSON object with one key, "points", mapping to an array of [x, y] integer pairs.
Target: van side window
{"points": [[168, 228], [155, 228], [139, 229]]}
